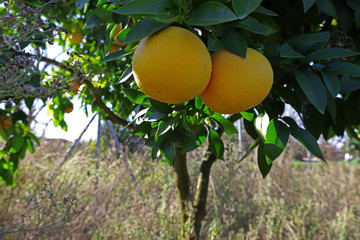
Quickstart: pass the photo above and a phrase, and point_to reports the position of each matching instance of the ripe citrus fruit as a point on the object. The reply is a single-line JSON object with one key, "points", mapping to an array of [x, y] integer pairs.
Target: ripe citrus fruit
{"points": [[172, 65], [69, 109], [75, 86], [5, 122], [76, 37], [237, 84]]}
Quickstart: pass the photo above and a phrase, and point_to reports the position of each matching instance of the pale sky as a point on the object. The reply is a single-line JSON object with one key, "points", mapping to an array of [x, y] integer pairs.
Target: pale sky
{"points": [[76, 120]]}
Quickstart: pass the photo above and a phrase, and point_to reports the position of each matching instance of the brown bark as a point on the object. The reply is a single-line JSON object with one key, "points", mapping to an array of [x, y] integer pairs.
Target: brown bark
{"points": [[99, 102], [199, 205], [182, 180], [201, 193]]}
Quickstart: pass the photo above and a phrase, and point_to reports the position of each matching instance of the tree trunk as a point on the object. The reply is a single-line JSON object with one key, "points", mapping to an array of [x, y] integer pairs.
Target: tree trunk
{"points": [[192, 213], [201, 193], [182, 180]]}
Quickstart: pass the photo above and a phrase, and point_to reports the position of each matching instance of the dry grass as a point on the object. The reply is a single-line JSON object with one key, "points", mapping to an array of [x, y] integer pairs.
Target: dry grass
{"points": [[291, 203]]}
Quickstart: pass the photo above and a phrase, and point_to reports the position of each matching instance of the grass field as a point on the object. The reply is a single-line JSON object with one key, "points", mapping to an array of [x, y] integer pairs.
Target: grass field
{"points": [[293, 202]]}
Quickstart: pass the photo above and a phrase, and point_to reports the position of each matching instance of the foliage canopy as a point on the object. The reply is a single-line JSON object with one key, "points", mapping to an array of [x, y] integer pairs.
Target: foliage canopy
{"points": [[311, 44]]}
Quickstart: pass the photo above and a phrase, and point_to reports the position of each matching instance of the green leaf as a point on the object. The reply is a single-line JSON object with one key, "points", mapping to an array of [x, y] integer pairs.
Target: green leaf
{"points": [[250, 149], [30, 145], [287, 51], [349, 84], [189, 144], [248, 115], [2, 11], [155, 152], [307, 43], [168, 17], [210, 13], [6, 173], [216, 144], [93, 21], [245, 7], [17, 142], [343, 68], [261, 124], [164, 127], [152, 115], [141, 7], [81, 3], [308, 4], [353, 4], [142, 129], [33, 137], [331, 106], [332, 82], [235, 42], [262, 10], [122, 35], [325, 53], [135, 95], [313, 88], [268, 24], [250, 24], [144, 28], [125, 75], [262, 163], [277, 136], [190, 123], [160, 106], [115, 56], [304, 137], [250, 129], [198, 102], [167, 150], [357, 18], [213, 44], [200, 134], [105, 15], [327, 6], [345, 19], [101, 2], [228, 126]]}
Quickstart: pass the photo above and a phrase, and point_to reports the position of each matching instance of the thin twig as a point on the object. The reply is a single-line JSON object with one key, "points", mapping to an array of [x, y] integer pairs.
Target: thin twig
{"points": [[71, 148], [33, 229], [118, 144]]}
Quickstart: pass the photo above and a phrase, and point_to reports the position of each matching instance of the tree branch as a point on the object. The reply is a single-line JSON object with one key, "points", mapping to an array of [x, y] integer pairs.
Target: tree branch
{"points": [[98, 101], [203, 183], [47, 60], [97, 97]]}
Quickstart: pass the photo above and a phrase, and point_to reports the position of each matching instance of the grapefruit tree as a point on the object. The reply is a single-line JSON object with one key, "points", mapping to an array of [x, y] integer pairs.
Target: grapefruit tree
{"points": [[163, 85]]}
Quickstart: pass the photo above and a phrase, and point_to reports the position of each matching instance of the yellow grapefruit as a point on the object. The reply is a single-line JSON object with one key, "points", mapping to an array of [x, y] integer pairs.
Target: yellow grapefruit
{"points": [[172, 65], [237, 84], [69, 109], [76, 37], [75, 87]]}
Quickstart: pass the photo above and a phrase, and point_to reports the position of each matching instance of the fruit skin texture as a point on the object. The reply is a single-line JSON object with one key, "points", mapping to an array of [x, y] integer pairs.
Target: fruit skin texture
{"points": [[75, 86], [5, 122], [76, 37], [172, 65], [237, 84], [69, 109]]}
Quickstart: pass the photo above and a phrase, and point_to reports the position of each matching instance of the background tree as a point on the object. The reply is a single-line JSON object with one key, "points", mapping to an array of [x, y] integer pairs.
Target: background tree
{"points": [[311, 45]]}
